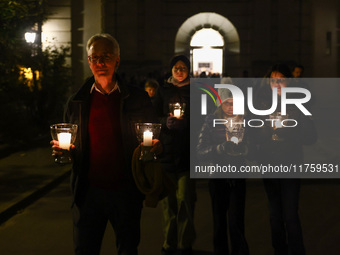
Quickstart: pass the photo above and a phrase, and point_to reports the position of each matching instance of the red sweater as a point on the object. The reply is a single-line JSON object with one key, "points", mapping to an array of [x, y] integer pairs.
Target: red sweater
{"points": [[106, 145]]}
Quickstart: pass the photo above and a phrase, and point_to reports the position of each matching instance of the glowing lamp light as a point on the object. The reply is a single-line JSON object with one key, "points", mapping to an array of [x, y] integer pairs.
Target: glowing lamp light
{"points": [[177, 109], [147, 138], [145, 133], [64, 140], [278, 124], [234, 139], [177, 113], [30, 37], [65, 134]]}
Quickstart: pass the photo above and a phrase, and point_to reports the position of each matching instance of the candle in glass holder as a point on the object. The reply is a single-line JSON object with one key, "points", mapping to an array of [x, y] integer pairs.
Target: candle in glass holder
{"points": [[64, 140], [147, 138], [177, 113], [234, 139], [278, 124]]}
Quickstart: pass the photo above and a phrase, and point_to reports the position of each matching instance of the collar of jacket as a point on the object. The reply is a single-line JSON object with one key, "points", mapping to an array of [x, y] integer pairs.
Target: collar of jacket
{"points": [[174, 82], [84, 92], [169, 85]]}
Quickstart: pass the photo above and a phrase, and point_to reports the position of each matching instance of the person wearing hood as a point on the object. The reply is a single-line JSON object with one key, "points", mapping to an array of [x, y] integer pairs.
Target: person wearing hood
{"points": [[226, 145], [178, 206]]}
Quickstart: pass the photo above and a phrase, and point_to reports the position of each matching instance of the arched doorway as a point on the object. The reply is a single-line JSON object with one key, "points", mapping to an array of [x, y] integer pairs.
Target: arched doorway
{"points": [[216, 22], [207, 52]]}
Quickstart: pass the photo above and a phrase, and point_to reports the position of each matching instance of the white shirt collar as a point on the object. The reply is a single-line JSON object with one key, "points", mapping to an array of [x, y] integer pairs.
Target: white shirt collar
{"points": [[113, 90]]}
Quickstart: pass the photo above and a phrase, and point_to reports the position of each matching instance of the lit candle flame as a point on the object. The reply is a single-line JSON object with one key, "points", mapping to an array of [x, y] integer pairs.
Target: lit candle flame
{"points": [[64, 140], [147, 138], [234, 139], [177, 113]]}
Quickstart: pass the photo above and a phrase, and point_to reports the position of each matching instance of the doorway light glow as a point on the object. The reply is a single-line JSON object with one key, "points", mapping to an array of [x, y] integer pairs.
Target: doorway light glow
{"points": [[207, 37], [211, 57]]}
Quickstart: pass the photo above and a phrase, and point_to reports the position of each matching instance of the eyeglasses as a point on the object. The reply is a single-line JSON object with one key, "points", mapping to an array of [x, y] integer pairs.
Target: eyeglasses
{"points": [[103, 58], [180, 69], [274, 80], [228, 103]]}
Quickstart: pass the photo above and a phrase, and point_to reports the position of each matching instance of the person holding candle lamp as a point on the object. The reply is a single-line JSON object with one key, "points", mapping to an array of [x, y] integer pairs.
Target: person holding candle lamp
{"points": [[103, 188], [178, 206], [279, 145], [226, 145]]}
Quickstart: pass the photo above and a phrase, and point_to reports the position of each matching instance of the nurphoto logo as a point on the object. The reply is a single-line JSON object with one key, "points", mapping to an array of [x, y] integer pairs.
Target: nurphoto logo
{"points": [[238, 105], [238, 102]]}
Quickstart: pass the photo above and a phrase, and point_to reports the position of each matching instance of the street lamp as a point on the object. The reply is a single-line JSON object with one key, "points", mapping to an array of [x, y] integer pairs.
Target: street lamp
{"points": [[30, 37], [31, 73]]}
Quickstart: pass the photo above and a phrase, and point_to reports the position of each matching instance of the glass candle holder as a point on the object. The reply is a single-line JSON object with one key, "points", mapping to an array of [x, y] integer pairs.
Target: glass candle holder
{"points": [[65, 134], [146, 132], [276, 123], [177, 109], [236, 136]]}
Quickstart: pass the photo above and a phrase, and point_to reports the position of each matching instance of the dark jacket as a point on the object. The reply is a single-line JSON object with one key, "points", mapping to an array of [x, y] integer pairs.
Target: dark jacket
{"points": [[176, 142], [135, 107], [213, 148], [288, 149]]}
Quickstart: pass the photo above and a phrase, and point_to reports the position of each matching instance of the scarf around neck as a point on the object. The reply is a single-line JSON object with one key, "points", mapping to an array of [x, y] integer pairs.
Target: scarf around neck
{"points": [[178, 83]]}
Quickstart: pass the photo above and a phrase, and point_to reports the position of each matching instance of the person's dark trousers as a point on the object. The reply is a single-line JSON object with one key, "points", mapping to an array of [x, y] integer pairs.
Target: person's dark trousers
{"points": [[122, 209], [228, 202], [283, 196]]}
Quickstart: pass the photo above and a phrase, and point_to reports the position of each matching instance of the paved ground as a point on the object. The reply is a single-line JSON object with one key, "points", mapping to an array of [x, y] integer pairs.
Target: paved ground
{"points": [[45, 227], [26, 176]]}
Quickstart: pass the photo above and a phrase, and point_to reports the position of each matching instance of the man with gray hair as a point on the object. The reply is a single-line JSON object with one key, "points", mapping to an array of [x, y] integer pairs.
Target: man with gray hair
{"points": [[103, 188]]}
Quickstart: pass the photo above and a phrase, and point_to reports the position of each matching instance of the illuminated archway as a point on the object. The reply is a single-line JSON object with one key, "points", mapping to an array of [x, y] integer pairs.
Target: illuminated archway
{"points": [[216, 22], [207, 52]]}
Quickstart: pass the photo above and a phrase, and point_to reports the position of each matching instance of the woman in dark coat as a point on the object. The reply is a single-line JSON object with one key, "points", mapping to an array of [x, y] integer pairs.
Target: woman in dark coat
{"points": [[277, 145]]}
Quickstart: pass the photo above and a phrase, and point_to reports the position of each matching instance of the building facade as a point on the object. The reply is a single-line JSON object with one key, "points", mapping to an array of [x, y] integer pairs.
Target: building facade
{"points": [[256, 33]]}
